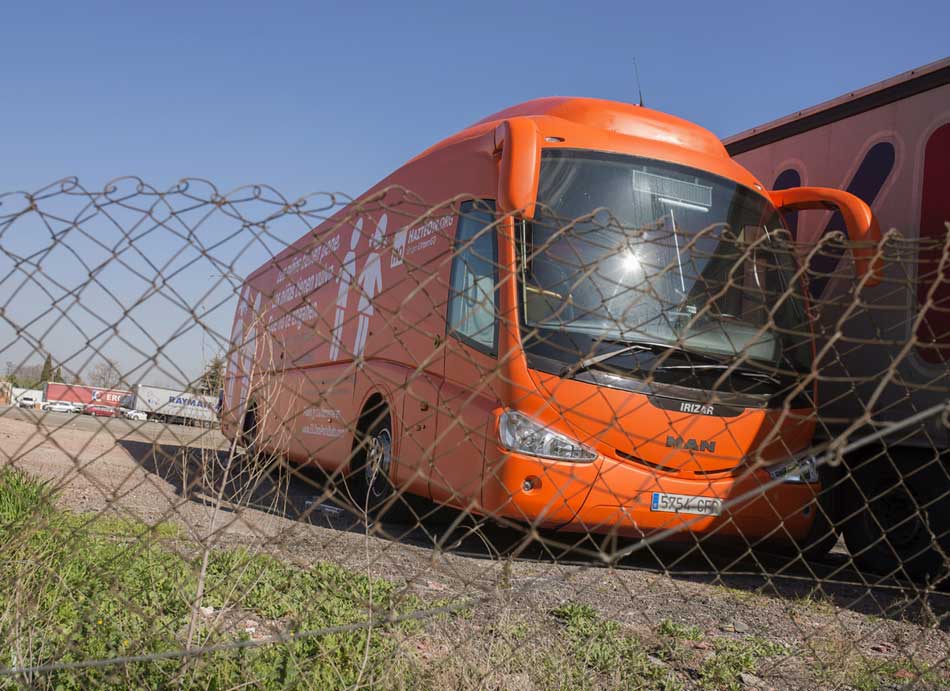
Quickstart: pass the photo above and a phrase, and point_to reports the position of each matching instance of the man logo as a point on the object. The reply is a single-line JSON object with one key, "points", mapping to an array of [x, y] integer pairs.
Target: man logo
{"points": [[691, 444]]}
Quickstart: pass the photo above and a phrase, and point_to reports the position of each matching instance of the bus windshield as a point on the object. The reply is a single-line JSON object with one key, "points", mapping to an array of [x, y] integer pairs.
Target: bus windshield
{"points": [[626, 249]]}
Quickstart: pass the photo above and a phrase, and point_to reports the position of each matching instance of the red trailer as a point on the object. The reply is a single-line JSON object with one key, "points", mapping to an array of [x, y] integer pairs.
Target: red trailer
{"points": [[78, 393], [889, 144]]}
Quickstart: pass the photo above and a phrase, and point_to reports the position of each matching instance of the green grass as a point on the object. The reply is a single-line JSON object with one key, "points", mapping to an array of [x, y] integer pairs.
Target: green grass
{"points": [[870, 675], [837, 662], [22, 499], [117, 527], [75, 589], [601, 646], [672, 643], [681, 632], [732, 657], [816, 602]]}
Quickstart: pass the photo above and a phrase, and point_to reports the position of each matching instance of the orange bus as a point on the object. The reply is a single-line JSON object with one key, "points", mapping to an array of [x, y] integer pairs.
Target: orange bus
{"points": [[576, 313]]}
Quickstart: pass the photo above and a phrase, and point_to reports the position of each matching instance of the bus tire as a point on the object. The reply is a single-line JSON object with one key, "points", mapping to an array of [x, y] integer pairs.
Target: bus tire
{"points": [[254, 455], [825, 529], [898, 518], [829, 510], [372, 488]]}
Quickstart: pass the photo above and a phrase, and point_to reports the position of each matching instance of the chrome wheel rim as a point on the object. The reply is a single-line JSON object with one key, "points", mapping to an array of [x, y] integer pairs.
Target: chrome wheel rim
{"points": [[378, 460]]}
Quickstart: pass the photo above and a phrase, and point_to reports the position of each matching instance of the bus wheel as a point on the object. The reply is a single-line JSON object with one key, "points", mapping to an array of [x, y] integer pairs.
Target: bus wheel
{"points": [[371, 478], [825, 528], [828, 507], [254, 457], [899, 523]]}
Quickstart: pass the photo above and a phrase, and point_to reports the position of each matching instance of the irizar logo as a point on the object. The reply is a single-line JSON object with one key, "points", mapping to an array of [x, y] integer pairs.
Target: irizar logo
{"points": [[691, 444], [697, 408]]}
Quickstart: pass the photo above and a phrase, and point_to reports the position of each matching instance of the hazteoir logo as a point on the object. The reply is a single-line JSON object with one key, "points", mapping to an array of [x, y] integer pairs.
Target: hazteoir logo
{"points": [[399, 249]]}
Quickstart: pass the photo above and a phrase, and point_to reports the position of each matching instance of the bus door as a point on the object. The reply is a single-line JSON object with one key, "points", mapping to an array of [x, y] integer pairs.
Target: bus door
{"points": [[470, 389], [420, 267]]}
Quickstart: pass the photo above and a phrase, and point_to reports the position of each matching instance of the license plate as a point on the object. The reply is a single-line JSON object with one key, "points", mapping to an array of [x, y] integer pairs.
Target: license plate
{"points": [[684, 503]]}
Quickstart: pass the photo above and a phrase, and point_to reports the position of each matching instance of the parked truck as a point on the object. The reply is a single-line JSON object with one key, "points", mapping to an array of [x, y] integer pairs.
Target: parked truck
{"points": [[82, 395], [173, 406], [26, 398], [889, 144]]}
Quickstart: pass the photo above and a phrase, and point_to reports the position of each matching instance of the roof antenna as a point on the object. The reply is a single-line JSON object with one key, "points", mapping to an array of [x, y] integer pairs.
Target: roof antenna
{"points": [[637, 72]]}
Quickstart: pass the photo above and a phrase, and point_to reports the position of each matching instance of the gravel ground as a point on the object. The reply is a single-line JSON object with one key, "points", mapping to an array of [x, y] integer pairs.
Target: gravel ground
{"points": [[825, 614]]}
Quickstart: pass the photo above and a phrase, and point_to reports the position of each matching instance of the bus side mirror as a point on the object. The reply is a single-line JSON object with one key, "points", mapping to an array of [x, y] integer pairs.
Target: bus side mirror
{"points": [[517, 141], [859, 220]]}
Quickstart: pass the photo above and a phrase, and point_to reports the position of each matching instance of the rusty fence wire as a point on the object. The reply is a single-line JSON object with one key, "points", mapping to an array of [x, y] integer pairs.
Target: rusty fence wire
{"points": [[255, 441]]}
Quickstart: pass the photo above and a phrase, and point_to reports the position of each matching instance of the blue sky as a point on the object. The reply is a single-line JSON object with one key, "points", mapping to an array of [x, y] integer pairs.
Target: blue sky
{"points": [[312, 97]]}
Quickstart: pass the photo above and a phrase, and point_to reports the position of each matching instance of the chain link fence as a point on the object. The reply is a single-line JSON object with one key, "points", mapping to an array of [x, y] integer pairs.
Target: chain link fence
{"points": [[250, 441]]}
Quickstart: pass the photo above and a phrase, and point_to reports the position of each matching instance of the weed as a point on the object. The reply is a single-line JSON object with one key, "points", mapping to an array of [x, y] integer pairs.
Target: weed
{"points": [[117, 527], [681, 632], [817, 602], [732, 657], [519, 632], [22, 499], [670, 646], [738, 594], [870, 675], [600, 645]]}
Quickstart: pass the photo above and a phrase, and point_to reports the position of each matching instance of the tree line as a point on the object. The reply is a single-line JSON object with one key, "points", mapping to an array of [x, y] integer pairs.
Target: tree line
{"points": [[104, 373]]}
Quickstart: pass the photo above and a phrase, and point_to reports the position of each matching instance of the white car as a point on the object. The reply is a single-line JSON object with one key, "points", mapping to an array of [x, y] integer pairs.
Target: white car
{"points": [[59, 407], [136, 415], [25, 402]]}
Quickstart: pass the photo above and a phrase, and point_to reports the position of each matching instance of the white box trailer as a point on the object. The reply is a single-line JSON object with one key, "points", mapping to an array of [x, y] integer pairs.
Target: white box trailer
{"points": [[34, 395], [173, 405], [889, 144]]}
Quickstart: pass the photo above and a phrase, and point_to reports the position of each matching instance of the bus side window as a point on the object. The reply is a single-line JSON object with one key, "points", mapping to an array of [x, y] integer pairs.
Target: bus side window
{"points": [[472, 300]]}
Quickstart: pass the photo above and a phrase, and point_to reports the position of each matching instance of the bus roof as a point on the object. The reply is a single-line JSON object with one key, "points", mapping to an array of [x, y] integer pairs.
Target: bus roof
{"points": [[615, 117], [902, 86]]}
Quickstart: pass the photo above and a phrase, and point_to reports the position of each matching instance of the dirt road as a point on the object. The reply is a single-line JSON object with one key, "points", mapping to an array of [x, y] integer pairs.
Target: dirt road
{"points": [[166, 473]]}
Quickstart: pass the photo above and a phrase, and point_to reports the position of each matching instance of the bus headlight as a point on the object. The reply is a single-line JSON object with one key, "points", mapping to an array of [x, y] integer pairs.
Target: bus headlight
{"points": [[518, 432], [801, 470]]}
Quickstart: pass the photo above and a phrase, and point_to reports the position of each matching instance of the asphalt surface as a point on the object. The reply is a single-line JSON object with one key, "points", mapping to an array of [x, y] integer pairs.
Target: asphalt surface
{"points": [[118, 427]]}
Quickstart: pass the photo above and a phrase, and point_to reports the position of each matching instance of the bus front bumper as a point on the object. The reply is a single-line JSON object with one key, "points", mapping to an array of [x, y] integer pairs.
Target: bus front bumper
{"points": [[621, 497]]}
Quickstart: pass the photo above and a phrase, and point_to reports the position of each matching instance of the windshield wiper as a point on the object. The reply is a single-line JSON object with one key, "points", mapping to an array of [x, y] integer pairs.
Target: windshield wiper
{"points": [[592, 360], [711, 362], [751, 373], [629, 347]]}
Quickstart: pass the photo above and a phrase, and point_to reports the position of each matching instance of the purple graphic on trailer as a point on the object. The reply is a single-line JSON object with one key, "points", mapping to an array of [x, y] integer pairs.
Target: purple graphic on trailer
{"points": [[868, 181], [371, 280], [152, 400]]}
